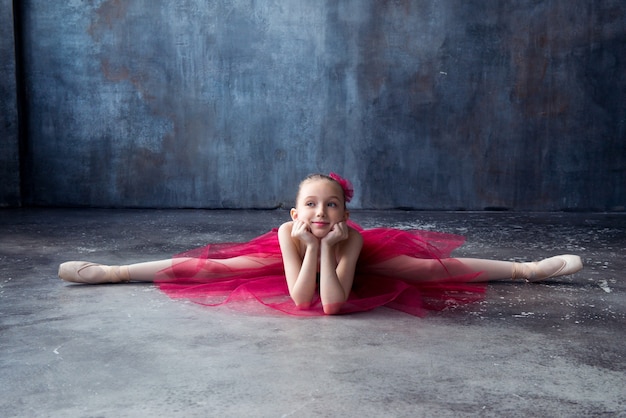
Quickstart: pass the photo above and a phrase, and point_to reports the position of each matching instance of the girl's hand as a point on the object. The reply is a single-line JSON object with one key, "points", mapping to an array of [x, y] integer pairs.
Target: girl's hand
{"points": [[302, 231], [338, 233]]}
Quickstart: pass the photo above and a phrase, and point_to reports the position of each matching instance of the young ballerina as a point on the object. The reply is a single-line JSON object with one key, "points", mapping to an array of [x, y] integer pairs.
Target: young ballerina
{"points": [[321, 263]]}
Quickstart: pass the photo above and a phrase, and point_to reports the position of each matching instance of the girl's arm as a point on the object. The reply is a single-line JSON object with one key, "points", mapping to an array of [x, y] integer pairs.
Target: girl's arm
{"points": [[339, 254], [300, 272]]}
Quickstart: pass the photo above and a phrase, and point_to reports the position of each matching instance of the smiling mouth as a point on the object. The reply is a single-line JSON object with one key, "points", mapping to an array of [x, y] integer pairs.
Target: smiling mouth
{"points": [[320, 223]]}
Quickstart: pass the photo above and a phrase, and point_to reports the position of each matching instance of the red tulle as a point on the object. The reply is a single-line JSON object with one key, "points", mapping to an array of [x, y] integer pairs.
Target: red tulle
{"points": [[253, 271]]}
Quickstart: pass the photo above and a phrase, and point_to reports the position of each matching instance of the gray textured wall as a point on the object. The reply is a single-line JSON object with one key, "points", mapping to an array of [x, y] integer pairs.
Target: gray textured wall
{"points": [[423, 104], [9, 145]]}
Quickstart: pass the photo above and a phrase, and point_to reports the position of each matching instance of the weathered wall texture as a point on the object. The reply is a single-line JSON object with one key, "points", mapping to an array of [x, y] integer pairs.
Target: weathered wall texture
{"points": [[9, 146], [423, 104]]}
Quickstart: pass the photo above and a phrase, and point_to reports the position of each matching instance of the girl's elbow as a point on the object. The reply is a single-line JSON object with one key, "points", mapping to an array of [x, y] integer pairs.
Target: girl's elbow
{"points": [[303, 306], [302, 303], [332, 308]]}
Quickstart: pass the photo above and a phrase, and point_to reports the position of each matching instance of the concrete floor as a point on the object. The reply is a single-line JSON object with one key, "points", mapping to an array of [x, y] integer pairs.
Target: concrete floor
{"points": [[550, 349]]}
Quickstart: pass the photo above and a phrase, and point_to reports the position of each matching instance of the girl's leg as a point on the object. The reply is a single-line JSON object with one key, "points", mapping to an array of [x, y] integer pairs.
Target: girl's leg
{"points": [[488, 269], [534, 271], [409, 268], [92, 273]]}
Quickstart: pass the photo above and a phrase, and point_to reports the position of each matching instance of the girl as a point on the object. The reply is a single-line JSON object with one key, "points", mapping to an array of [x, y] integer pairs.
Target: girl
{"points": [[321, 263]]}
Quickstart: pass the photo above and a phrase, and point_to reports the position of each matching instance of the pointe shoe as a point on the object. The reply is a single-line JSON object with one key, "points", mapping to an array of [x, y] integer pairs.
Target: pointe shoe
{"points": [[537, 271], [76, 272]]}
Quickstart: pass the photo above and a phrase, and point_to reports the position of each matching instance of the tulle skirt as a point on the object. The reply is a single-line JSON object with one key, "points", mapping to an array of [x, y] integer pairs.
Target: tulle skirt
{"points": [[387, 274]]}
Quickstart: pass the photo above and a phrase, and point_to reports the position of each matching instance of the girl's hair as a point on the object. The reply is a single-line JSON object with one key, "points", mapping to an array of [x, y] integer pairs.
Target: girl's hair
{"points": [[333, 178]]}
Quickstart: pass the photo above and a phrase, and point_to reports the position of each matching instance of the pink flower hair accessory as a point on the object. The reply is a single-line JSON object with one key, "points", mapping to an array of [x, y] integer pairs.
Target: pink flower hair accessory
{"points": [[348, 190]]}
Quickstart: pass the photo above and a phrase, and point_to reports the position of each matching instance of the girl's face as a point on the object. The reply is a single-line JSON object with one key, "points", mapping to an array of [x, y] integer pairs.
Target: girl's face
{"points": [[320, 204]]}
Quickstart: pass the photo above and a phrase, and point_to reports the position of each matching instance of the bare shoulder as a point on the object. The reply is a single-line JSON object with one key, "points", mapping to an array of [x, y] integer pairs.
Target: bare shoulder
{"points": [[354, 234], [285, 228], [355, 240], [289, 246], [284, 231]]}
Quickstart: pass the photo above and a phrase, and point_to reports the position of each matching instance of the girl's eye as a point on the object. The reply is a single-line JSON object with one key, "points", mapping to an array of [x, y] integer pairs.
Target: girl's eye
{"points": [[310, 204], [332, 204]]}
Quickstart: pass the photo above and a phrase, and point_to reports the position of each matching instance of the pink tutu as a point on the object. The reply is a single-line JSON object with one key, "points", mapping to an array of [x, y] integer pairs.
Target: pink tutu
{"points": [[378, 280]]}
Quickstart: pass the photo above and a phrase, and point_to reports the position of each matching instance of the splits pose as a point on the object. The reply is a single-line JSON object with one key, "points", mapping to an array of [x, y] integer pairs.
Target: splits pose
{"points": [[320, 263]]}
